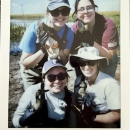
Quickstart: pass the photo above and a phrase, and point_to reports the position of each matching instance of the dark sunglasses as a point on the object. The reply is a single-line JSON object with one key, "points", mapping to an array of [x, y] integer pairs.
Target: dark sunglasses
{"points": [[89, 62], [55, 13], [60, 76]]}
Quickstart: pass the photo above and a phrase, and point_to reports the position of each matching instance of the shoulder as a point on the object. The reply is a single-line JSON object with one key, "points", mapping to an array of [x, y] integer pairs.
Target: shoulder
{"points": [[109, 23], [102, 20], [106, 79], [33, 88]]}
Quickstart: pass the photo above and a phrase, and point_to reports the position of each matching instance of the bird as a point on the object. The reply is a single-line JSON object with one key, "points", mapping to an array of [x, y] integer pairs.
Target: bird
{"points": [[38, 103]]}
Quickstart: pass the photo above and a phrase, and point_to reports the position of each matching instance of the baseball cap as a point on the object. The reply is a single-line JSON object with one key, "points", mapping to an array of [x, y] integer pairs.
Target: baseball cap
{"points": [[51, 64], [88, 53], [53, 4]]}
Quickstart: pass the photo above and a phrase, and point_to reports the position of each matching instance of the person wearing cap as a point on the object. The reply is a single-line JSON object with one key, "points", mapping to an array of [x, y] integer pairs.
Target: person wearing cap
{"points": [[101, 33], [33, 49], [55, 111], [102, 91]]}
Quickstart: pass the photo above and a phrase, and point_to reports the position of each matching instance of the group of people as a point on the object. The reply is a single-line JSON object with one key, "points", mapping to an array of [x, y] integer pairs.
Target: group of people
{"points": [[90, 47]]}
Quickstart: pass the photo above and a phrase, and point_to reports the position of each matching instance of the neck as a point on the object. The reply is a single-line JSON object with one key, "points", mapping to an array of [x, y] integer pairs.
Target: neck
{"points": [[91, 25], [92, 79]]}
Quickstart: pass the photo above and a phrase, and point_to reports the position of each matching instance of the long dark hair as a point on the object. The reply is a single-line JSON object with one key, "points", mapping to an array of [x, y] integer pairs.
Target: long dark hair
{"points": [[76, 5]]}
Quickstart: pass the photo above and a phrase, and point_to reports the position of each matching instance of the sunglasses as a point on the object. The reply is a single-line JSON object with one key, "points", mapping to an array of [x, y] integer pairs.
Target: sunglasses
{"points": [[89, 62], [60, 76], [55, 13]]}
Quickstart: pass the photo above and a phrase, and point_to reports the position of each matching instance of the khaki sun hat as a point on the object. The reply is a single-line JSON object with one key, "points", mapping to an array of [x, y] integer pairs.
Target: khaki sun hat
{"points": [[88, 53]]}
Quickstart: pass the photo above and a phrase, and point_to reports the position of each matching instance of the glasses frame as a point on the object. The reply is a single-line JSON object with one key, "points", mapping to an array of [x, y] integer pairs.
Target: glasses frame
{"points": [[59, 77], [55, 13], [83, 63], [88, 8]]}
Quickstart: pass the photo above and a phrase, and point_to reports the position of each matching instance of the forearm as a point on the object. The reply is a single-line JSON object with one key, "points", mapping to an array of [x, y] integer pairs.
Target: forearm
{"points": [[109, 117], [104, 52], [32, 60]]}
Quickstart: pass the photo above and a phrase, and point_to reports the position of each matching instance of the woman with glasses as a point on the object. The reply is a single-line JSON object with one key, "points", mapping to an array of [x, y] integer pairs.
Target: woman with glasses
{"points": [[33, 44], [101, 32], [102, 101], [47, 104]]}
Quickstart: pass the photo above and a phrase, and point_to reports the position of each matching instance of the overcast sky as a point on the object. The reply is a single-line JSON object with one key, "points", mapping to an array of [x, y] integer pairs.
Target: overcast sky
{"points": [[39, 6]]}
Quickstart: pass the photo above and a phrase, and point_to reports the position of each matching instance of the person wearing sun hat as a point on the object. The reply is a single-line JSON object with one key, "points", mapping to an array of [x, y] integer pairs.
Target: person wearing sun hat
{"points": [[102, 92], [50, 109]]}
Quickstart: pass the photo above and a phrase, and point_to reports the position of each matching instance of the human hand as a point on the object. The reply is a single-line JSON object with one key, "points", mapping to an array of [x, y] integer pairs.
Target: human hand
{"points": [[28, 117], [32, 75], [42, 33], [83, 34], [86, 37]]}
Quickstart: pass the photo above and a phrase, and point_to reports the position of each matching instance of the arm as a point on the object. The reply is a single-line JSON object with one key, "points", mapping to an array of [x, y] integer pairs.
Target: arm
{"points": [[30, 60], [110, 117], [110, 42], [112, 94], [105, 52], [22, 106], [26, 101]]}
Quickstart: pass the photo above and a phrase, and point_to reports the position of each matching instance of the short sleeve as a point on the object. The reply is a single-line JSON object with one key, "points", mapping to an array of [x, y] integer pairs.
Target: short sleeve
{"points": [[110, 38], [28, 42], [112, 92]]}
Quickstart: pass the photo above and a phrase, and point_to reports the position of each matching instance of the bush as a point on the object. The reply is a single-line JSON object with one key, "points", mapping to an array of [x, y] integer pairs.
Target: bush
{"points": [[16, 32]]}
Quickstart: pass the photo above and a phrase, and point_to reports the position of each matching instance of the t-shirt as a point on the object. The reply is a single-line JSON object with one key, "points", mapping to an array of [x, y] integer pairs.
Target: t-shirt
{"points": [[104, 33], [28, 42], [104, 94]]}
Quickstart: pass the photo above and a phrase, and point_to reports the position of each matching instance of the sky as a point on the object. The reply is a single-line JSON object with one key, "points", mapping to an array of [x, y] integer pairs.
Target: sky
{"points": [[39, 6]]}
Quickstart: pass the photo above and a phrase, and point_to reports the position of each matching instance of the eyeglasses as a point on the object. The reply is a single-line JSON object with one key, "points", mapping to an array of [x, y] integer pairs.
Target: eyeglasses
{"points": [[55, 13], [89, 62], [60, 76], [88, 8]]}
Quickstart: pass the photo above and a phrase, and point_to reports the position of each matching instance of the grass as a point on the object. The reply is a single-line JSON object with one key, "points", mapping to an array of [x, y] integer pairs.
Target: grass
{"points": [[27, 16], [16, 32]]}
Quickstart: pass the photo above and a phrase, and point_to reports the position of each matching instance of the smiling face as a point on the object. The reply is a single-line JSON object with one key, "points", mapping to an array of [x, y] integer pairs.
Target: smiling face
{"points": [[57, 85], [60, 20], [89, 71], [86, 12]]}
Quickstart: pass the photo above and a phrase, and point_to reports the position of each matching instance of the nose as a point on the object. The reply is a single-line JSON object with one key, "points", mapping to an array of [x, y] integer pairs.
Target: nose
{"points": [[87, 67], [57, 80], [60, 14], [86, 10]]}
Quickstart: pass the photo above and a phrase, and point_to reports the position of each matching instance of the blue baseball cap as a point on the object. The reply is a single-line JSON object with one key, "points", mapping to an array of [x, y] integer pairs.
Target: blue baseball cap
{"points": [[51, 64], [54, 4]]}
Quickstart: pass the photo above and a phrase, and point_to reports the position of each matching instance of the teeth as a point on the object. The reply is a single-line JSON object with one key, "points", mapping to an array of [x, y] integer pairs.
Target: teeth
{"points": [[57, 85]]}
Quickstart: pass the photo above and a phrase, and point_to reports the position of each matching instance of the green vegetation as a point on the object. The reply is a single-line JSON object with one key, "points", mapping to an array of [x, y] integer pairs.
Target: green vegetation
{"points": [[27, 16], [16, 32]]}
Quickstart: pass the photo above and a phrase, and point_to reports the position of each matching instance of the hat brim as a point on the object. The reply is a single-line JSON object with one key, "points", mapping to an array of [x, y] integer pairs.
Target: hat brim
{"points": [[73, 59], [44, 73], [53, 7]]}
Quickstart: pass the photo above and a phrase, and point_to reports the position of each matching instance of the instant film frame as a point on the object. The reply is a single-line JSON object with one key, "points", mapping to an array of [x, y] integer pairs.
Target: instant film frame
{"points": [[125, 62]]}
